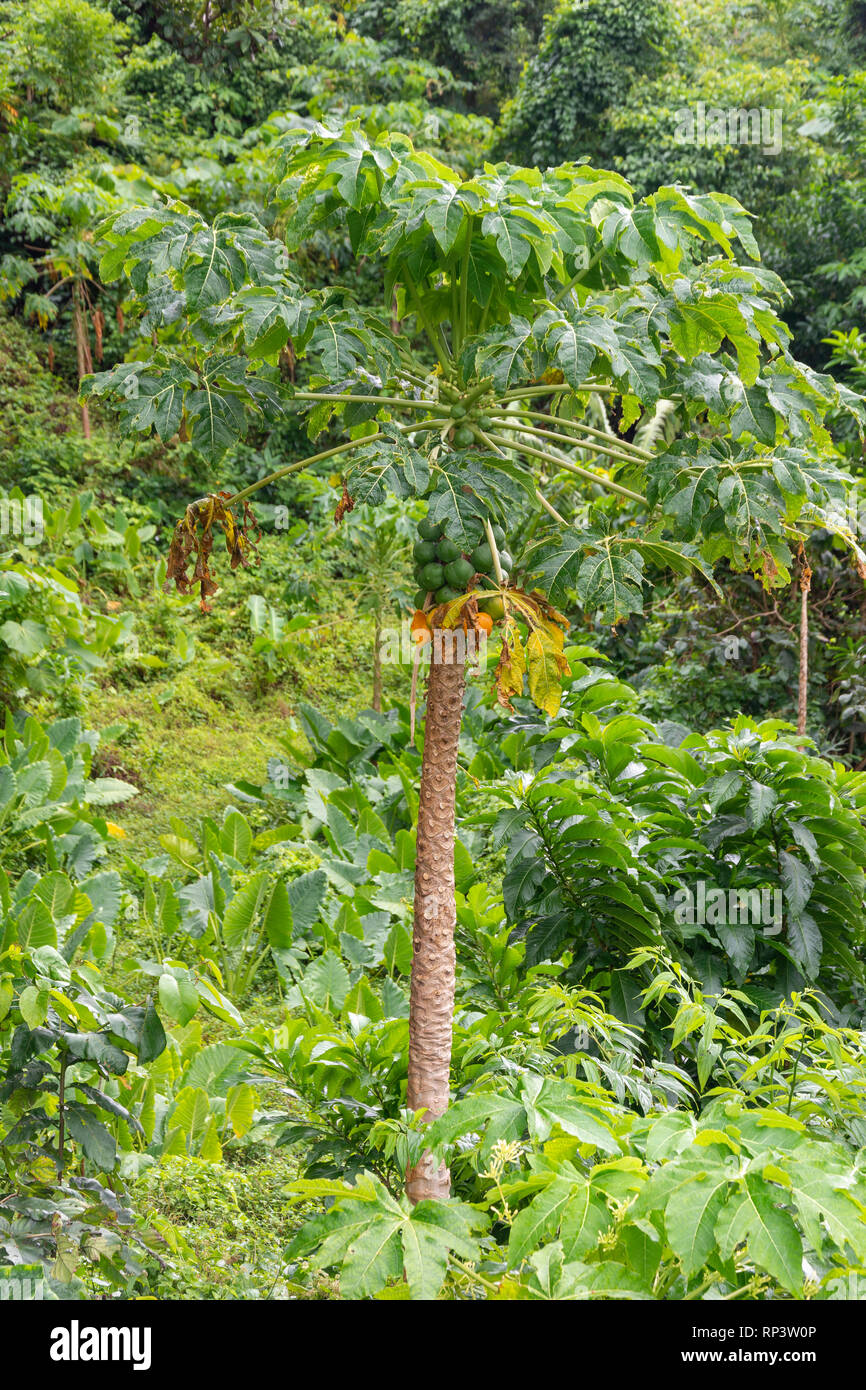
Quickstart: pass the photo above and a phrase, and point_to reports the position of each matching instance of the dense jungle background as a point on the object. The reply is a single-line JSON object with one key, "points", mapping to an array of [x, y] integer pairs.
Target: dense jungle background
{"points": [[208, 810]]}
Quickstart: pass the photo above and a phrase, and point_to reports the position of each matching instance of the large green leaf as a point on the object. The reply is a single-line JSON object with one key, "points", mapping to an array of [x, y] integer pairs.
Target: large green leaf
{"points": [[242, 911], [755, 1214], [306, 895]]}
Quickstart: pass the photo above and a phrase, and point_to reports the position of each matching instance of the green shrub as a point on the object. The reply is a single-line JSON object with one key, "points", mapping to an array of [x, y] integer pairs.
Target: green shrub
{"points": [[589, 55]]}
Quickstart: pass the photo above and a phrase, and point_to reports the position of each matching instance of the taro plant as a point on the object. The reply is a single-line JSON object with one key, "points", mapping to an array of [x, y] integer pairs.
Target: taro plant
{"points": [[234, 915], [272, 634], [520, 297]]}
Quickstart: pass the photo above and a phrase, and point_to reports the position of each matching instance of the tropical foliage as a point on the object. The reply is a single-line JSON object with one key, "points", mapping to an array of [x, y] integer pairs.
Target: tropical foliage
{"points": [[431, 512]]}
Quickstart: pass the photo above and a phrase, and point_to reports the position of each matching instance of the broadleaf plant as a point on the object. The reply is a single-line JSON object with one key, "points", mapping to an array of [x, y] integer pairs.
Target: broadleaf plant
{"points": [[513, 303]]}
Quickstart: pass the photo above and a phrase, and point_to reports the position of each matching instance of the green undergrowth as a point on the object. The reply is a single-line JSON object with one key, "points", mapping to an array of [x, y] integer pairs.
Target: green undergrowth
{"points": [[180, 736], [228, 1221]]}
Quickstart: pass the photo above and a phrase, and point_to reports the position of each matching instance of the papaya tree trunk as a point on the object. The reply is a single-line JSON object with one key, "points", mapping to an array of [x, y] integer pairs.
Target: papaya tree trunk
{"points": [[82, 348], [431, 1006], [803, 685], [377, 666]]}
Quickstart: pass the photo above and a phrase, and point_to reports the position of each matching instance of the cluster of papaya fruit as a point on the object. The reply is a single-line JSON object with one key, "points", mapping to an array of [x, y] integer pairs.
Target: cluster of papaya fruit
{"points": [[463, 434], [446, 572]]}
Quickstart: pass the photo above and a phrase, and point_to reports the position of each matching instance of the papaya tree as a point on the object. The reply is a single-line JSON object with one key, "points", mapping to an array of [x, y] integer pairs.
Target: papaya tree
{"points": [[65, 287], [523, 300]]}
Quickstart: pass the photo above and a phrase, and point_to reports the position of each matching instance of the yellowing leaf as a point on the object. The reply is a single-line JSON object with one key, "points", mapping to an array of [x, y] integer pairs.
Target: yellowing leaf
{"points": [[511, 667], [631, 411], [33, 1005], [545, 671], [240, 1108], [184, 851], [43, 1170], [211, 1149], [556, 635]]}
